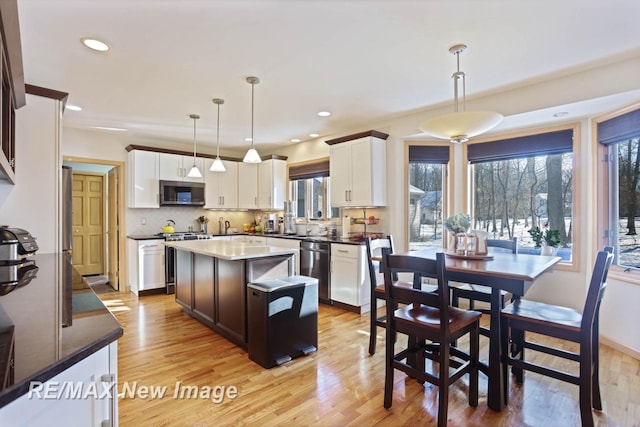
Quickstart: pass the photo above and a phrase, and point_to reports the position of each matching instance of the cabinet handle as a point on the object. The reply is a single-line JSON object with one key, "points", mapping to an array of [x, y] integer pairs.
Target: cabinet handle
{"points": [[346, 196], [222, 200], [110, 379], [343, 251], [255, 200]]}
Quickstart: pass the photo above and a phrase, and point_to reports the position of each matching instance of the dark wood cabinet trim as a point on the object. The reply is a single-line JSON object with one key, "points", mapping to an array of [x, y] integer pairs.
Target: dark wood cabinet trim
{"points": [[374, 133], [190, 153], [10, 28], [46, 93]]}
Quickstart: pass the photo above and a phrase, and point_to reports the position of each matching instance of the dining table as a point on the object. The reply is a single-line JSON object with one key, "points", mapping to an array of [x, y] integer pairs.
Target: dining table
{"points": [[514, 273]]}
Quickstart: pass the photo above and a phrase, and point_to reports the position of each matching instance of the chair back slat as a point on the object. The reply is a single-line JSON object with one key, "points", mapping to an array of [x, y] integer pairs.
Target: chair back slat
{"points": [[419, 267], [374, 247], [511, 245], [598, 283]]}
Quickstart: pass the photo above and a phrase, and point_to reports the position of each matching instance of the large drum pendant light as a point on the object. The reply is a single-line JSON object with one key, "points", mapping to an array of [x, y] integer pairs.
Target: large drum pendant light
{"points": [[459, 126]]}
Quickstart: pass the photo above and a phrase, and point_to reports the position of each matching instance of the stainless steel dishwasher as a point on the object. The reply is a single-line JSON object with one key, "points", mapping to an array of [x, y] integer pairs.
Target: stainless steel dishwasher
{"points": [[315, 261]]}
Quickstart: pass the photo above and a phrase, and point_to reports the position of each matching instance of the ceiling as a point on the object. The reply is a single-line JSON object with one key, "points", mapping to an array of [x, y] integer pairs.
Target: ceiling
{"points": [[364, 61]]}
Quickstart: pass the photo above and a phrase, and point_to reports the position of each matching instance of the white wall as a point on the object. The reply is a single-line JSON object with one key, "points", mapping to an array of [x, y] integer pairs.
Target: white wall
{"points": [[32, 203], [619, 308]]}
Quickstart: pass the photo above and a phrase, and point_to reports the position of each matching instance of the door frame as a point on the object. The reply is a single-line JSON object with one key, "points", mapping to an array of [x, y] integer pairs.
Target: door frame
{"points": [[120, 171]]}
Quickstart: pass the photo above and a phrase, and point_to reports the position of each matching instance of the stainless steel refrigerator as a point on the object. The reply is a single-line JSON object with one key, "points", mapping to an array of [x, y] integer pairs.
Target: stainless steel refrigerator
{"points": [[66, 259], [67, 182]]}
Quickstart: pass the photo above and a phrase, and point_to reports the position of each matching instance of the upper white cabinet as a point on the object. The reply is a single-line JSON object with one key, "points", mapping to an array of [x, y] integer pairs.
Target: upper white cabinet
{"points": [[221, 187], [358, 170], [143, 179], [272, 184], [175, 167], [247, 186]]}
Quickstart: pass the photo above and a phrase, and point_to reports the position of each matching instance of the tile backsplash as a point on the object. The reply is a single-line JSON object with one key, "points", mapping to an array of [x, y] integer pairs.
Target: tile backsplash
{"points": [[184, 217]]}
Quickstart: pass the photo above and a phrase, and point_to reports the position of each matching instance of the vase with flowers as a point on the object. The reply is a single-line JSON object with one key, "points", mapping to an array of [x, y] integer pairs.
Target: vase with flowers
{"points": [[457, 225]]}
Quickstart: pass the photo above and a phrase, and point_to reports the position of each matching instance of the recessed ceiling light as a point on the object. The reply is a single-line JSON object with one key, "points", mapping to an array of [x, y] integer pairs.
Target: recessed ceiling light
{"points": [[295, 140], [314, 135], [248, 139], [109, 128], [74, 107], [560, 114], [94, 44], [324, 113]]}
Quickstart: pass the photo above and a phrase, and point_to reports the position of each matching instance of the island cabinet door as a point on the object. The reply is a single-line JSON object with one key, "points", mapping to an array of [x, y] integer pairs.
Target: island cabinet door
{"points": [[184, 279], [231, 300], [203, 287]]}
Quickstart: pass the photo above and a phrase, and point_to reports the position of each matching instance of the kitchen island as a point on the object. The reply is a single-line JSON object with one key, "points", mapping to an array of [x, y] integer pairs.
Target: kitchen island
{"points": [[212, 278]]}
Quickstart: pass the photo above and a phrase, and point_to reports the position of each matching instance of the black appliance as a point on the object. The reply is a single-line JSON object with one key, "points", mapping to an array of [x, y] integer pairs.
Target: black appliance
{"points": [[282, 319], [16, 244], [178, 193], [315, 261]]}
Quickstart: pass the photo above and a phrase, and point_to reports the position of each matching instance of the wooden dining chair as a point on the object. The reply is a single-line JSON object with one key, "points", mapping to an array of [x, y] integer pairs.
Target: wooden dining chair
{"points": [[374, 257], [428, 317], [564, 323], [374, 251], [481, 293]]}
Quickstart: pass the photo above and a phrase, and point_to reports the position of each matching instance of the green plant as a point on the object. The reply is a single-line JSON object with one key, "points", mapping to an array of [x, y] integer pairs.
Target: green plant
{"points": [[458, 223], [550, 237]]}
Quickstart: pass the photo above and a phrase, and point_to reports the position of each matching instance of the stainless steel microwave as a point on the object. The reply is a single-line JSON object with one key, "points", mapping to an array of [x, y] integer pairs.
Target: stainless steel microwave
{"points": [[181, 193]]}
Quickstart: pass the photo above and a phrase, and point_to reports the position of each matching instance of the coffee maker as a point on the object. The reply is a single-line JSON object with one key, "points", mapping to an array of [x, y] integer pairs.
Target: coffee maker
{"points": [[289, 217], [271, 223]]}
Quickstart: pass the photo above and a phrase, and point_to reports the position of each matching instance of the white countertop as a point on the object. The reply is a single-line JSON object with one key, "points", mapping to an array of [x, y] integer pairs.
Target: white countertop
{"points": [[230, 250]]}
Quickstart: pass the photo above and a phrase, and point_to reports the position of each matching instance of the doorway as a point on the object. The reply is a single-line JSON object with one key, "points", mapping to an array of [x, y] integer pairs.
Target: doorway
{"points": [[106, 206]]}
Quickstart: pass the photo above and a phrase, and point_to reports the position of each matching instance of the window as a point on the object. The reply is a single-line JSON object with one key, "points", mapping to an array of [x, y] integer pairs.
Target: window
{"points": [[524, 182], [427, 171], [309, 188], [619, 195]]}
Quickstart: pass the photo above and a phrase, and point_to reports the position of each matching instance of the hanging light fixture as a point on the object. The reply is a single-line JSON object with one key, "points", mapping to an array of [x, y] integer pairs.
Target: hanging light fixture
{"points": [[459, 126], [217, 165], [194, 172], [252, 155]]}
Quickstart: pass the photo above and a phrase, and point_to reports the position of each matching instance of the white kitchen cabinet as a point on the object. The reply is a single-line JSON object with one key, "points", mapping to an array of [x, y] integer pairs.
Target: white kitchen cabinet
{"points": [[97, 371], [143, 179], [358, 172], [272, 184], [349, 279], [146, 265], [221, 188], [175, 167], [247, 186]]}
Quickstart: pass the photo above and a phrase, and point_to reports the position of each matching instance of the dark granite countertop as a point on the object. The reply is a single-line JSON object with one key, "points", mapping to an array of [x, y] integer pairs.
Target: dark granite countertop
{"points": [[54, 324]]}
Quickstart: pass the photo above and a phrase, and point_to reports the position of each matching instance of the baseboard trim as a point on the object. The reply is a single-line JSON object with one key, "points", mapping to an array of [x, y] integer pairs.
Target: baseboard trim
{"points": [[620, 347]]}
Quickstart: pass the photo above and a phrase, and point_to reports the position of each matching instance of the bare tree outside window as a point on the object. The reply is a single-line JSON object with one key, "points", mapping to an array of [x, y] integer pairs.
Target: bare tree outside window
{"points": [[511, 196]]}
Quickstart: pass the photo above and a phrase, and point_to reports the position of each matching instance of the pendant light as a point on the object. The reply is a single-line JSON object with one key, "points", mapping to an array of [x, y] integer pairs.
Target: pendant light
{"points": [[194, 172], [459, 126], [252, 155], [217, 165]]}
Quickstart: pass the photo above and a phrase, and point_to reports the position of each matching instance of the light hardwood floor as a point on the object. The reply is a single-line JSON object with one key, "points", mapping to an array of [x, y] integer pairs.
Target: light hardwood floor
{"points": [[339, 385]]}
